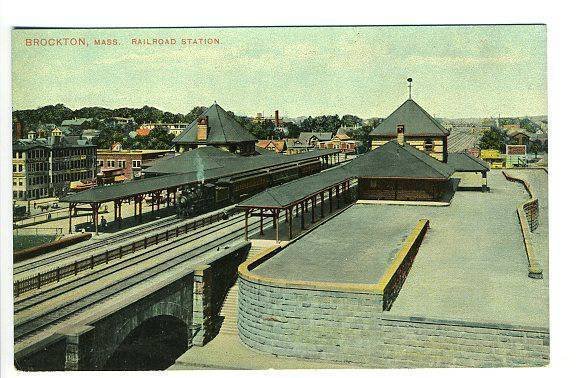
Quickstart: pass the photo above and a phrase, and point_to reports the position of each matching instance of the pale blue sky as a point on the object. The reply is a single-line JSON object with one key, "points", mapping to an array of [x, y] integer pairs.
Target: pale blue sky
{"points": [[458, 71]]}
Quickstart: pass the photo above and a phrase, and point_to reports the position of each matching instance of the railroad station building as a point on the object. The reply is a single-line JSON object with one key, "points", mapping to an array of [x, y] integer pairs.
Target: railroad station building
{"points": [[399, 171], [421, 130], [218, 128]]}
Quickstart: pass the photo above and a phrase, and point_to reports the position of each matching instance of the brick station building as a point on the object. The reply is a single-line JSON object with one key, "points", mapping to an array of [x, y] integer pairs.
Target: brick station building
{"points": [[399, 171]]}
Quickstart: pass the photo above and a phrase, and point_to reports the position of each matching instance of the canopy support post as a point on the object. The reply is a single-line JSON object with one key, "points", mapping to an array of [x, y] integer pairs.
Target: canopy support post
{"points": [[276, 217], [70, 206], [313, 205], [290, 214], [261, 233], [95, 207], [246, 224]]}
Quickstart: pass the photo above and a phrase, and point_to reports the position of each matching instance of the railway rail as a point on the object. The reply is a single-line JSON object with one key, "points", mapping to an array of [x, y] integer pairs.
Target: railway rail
{"points": [[113, 239], [26, 327], [460, 140]]}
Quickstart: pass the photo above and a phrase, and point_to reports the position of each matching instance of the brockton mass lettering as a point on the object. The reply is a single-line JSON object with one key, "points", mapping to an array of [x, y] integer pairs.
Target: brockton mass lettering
{"points": [[55, 42]]}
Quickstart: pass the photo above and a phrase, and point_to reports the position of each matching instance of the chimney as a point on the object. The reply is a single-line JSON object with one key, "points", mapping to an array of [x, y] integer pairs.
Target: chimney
{"points": [[202, 128], [17, 130], [276, 118], [401, 135]]}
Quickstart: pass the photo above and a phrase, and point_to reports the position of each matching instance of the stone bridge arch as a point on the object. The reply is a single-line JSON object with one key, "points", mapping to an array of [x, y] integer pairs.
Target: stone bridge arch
{"points": [[89, 347], [162, 309], [175, 301]]}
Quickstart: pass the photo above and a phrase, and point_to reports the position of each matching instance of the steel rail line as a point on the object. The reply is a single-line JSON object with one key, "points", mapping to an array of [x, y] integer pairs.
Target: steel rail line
{"points": [[127, 234], [97, 244], [96, 274], [37, 323]]}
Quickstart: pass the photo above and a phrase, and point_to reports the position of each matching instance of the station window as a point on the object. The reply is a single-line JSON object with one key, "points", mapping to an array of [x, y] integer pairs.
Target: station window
{"points": [[110, 163], [121, 163], [136, 164]]}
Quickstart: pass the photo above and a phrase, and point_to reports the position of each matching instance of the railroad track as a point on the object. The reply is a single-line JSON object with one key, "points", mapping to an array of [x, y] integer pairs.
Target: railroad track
{"points": [[461, 140], [129, 260], [24, 328], [125, 235], [27, 327]]}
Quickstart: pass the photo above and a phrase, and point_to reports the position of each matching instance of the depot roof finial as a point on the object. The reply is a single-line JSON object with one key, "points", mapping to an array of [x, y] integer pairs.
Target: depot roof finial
{"points": [[410, 80]]}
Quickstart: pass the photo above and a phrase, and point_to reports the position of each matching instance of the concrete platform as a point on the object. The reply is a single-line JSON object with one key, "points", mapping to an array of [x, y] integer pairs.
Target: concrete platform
{"points": [[472, 263], [471, 266], [338, 251]]}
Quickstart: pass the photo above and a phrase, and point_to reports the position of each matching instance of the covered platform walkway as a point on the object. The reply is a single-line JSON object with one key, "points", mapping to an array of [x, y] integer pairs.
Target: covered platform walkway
{"points": [[162, 189], [465, 163], [298, 197]]}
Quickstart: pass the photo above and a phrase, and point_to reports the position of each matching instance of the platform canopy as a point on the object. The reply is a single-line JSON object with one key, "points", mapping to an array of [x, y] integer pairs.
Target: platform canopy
{"points": [[191, 168], [214, 158], [463, 162], [294, 192]]}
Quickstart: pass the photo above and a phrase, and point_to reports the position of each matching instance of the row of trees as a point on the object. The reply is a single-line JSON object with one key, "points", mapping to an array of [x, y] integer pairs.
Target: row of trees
{"points": [[55, 114], [158, 139], [110, 132]]}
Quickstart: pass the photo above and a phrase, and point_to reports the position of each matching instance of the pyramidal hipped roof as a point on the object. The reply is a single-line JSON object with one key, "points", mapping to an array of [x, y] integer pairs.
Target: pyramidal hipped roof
{"points": [[395, 161], [416, 120], [222, 128]]}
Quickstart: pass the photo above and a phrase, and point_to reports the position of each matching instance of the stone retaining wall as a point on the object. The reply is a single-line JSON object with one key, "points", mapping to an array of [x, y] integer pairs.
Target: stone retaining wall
{"points": [[347, 323], [528, 213], [351, 327]]}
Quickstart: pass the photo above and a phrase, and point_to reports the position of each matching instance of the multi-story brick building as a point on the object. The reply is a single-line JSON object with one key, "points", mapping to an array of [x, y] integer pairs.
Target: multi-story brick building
{"points": [[44, 167], [30, 169], [72, 159], [131, 161]]}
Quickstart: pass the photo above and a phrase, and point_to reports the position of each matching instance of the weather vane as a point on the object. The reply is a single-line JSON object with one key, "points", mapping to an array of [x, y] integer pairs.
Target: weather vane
{"points": [[410, 80]]}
